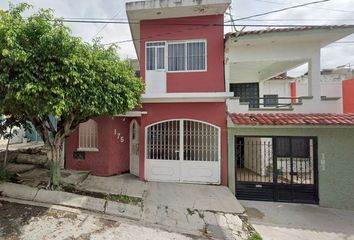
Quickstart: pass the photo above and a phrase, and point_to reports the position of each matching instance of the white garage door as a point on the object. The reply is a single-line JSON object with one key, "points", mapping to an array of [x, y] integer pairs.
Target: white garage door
{"points": [[182, 151]]}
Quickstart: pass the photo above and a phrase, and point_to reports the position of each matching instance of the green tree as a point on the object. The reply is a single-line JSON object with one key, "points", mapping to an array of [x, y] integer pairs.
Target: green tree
{"points": [[44, 71]]}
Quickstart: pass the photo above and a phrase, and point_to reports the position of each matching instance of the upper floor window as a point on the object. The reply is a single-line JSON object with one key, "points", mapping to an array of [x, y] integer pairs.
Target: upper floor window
{"points": [[181, 56], [88, 136], [155, 55], [187, 56]]}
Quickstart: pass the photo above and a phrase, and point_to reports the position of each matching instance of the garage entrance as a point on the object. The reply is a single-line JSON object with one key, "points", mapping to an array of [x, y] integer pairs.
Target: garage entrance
{"points": [[182, 151], [276, 169]]}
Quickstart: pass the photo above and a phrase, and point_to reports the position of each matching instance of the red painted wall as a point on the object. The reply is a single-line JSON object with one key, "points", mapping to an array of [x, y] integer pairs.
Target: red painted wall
{"points": [[214, 113], [348, 96], [211, 80], [293, 92], [113, 155]]}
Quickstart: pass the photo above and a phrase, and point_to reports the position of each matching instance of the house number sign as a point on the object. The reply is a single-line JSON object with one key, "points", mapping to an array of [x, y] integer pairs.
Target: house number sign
{"points": [[119, 136]]}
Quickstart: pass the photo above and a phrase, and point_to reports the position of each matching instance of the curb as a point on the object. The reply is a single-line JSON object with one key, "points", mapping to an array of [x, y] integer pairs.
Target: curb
{"points": [[23, 192]]}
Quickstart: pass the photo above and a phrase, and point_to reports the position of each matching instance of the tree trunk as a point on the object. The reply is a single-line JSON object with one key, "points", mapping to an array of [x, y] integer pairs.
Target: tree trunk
{"points": [[54, 158], [7, 149]]}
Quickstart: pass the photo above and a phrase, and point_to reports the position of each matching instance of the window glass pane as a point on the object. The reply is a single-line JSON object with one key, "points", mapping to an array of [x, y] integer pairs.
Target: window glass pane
{"points": [[88, 134], [155, 44], [196, 56], [150, 58], [160, 54], [176, 57], [270, 100]]}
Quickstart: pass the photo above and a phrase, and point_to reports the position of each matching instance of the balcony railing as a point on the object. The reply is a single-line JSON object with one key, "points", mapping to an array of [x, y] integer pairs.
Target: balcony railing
{"points": [[271, 102], [306, 104]]}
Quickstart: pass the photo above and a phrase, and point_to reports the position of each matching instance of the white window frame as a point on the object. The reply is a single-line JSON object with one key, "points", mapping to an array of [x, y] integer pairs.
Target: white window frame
{"points": [[155, 63], [186, 56], [89, 149]]}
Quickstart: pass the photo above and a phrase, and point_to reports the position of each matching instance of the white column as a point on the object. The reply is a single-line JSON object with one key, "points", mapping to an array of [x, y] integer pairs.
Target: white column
{"points": [[227, 74], [314, 83]]}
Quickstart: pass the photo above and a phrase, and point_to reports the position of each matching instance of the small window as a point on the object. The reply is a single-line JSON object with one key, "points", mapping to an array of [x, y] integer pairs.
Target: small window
{"points": [[88, 136], [270, 100], [155, 56], [133, 131], [187, 56]]}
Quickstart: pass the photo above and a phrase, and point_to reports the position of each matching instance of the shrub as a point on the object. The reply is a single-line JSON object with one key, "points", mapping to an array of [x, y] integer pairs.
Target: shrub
{"points": [[5, 175]]}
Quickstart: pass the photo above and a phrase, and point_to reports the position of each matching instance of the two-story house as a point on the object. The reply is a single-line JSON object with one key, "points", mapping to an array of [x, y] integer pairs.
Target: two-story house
{"points": [[208, 115], [179, 133], [284, 146]]}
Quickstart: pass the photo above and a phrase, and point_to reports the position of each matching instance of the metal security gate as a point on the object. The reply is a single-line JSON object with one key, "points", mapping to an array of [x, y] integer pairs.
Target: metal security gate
{"points": [[276, 169], [182, 151]]}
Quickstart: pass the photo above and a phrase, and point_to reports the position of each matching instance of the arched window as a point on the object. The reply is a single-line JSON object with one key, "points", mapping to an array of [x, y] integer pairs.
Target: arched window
{"points": [[88, 136]]}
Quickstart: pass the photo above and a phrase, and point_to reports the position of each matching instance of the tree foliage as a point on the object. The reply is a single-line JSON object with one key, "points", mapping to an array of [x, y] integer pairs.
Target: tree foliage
{"points": [[44, 71]]}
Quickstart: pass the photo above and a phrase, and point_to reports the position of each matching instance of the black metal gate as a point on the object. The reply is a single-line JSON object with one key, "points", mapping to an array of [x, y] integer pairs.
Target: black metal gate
{"points": [[277, 169]]}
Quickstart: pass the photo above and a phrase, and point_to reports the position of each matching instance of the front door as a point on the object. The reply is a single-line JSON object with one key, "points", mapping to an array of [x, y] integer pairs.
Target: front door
{"points": [[155, 74], [134, 148]]}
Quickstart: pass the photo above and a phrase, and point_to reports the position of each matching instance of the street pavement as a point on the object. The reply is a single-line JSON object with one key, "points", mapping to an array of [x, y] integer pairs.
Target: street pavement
{"points": [[280, 221]]}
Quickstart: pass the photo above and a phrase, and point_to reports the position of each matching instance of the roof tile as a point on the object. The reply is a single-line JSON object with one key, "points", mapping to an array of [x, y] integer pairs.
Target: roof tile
{"points": [[280, 119], [284, 29]]}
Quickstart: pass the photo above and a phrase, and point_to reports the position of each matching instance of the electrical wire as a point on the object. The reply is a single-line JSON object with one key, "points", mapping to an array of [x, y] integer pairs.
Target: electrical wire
{"points": [[320, 8], [104, 26], [280, 10]]}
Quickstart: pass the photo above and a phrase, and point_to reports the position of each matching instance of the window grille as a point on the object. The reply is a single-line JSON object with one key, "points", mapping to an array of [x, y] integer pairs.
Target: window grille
{"points": [[88, 135]]}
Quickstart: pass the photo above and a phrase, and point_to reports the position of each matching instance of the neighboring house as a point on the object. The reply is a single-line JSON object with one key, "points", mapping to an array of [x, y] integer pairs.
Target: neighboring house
{"points": [[330, 79], [283, 90], [179, 133], [298, 153]]}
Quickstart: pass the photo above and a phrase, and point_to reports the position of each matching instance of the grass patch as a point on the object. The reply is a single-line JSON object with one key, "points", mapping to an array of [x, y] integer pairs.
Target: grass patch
{"points": [[255, 236], [111, 197], [6, 176], [124, 199]]}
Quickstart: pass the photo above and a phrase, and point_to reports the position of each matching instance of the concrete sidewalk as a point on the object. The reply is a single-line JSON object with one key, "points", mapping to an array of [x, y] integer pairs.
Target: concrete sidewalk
{"points": [[190, 208], [279, 221]]}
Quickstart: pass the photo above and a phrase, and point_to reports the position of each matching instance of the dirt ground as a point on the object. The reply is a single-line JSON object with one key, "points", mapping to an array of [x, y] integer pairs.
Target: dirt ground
{"points": [[19, 221]]}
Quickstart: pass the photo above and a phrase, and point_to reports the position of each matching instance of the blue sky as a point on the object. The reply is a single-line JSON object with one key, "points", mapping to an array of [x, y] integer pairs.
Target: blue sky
{"points": [[332, 12]]}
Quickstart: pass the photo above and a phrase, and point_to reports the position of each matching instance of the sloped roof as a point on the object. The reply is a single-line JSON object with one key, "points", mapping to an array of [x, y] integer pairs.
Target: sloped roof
{"points": [[281, 119], [286, 29]]}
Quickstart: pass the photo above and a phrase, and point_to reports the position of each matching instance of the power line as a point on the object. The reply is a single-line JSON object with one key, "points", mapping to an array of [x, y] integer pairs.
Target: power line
{"points": [[281, 10], [104, 20], [104, 26], [207, 24], [297, 19], [168, 33], [321, 8]]}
